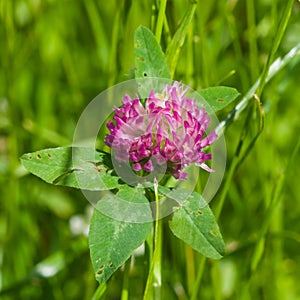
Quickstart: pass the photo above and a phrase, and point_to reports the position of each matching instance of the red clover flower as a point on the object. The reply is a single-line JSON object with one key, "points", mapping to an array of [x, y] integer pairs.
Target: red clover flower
{"points": [[167, 129]]}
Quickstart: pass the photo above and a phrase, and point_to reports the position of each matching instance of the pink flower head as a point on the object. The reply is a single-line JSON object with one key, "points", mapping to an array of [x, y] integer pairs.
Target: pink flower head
{"points": [[168, 128]]}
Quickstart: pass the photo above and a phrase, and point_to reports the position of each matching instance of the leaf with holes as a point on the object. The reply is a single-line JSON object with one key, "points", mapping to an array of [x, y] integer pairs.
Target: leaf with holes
{"points": [[150, 61], [77, 167], [219, 97], [113, 240], [149, 57], [194, 223]]}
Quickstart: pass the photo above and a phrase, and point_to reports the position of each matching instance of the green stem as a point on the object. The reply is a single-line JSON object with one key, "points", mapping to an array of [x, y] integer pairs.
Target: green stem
{"points": [[217, 214], [274, 202], [239, 156], [238, 52], [160, 19], [233, 166], [276, 66], [260, 245], [278, 37], [124, 295], [97, 28], [153, 286], [194, 295], [99, 292], [153, 16], [174, 47], [252, 39], [190, 268]]}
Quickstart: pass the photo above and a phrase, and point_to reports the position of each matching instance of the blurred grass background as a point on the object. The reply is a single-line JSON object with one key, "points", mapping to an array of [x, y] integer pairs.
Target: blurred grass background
{"points": [[56, 56]]}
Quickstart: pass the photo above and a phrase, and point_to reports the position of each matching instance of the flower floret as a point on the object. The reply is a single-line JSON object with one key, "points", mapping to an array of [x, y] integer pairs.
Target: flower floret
{"points": [[168, 128]]}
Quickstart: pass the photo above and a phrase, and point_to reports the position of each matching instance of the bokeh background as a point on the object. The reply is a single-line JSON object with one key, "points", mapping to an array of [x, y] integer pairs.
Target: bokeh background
{"points": [[57, 55]]}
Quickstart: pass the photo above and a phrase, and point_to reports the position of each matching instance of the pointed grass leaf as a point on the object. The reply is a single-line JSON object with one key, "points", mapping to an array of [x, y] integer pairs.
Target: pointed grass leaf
{"points": [[76, 167], [194, 223], [219, 97], [177, 42], [112, 241], [149, 61]]}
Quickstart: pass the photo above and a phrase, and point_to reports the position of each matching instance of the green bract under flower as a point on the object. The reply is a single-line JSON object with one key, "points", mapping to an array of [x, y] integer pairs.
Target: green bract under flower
{"points": [[168, 129]]}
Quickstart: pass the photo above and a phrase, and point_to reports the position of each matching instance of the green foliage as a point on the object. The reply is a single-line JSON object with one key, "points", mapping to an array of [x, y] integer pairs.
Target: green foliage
{"points": [[150, 61], [55, 57], [76, 167], [149, 58], [111, 241], [219, 97], [195, 224], [178, 39]]}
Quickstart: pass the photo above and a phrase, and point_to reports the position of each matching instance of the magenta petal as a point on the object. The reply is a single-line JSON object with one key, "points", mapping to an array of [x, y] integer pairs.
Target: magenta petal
{"points": [[134, 157], [176, 157], [137, 167], [206, 168], [180, 175], [110, 125], [148, 166]]}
